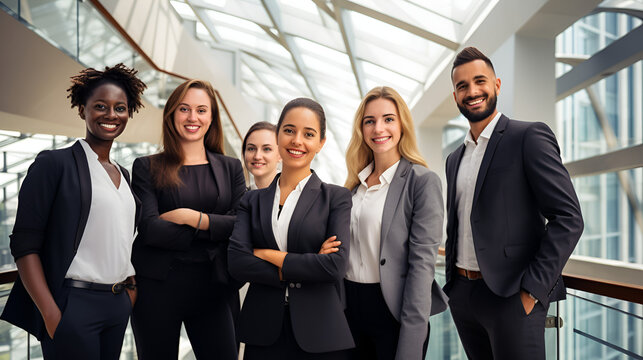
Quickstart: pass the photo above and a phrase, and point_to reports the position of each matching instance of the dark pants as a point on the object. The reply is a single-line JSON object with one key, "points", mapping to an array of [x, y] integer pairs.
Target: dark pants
{"points": [[494, 327], [374, 328], [186, 297], [286, 347], [92, 326]]}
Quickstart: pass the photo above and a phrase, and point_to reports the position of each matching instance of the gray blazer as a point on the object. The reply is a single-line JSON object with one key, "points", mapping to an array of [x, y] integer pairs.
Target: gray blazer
{"points": [[412, 226]]}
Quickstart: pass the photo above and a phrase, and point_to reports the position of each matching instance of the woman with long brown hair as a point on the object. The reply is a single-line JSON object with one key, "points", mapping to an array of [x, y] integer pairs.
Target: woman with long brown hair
{"points": [[189, 191]]}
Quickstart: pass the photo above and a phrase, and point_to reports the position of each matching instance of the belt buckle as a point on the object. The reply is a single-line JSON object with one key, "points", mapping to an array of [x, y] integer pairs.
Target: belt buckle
{"points": [[117, 288]]}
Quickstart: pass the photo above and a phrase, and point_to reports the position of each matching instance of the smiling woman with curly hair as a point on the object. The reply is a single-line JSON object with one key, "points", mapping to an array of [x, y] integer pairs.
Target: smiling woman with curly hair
{"points": [[74, 229]]}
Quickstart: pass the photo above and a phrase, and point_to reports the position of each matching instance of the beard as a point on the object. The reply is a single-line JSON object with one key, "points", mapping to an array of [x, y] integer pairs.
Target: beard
{"points": [[481, 114]]}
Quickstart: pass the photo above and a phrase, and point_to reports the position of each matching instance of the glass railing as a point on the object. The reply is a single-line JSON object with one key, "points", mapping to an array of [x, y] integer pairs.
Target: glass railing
{"points": [[593, 327], [600, 327]]}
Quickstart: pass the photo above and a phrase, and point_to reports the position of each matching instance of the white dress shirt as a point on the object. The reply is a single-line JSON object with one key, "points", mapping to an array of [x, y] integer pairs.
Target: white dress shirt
{"points": [[280, 222], [366, 226], [465, 187], [105, 248]]}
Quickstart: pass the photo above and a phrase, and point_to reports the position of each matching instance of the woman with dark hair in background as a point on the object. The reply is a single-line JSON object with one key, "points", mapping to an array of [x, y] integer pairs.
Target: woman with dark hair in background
{"points": [[396, 228], [294, 308], [189, 191], [74, 229], [260, 154]]}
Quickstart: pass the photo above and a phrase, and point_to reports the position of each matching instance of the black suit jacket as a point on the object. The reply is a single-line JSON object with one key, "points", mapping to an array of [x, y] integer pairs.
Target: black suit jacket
{"points": [[315, 281], [158, 241], [525, 218], [53, 207]]}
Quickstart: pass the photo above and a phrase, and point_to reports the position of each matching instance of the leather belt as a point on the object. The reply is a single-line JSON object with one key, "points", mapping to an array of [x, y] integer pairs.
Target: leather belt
{"points": [[115, 288], [469, 274]]}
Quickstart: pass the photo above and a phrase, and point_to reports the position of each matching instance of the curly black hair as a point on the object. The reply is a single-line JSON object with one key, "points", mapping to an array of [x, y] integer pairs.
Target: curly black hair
{"points": [[84, 84]]}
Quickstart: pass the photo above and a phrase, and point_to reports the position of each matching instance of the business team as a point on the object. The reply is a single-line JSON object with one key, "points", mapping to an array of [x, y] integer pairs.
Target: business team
{"points": [[513, 220]]}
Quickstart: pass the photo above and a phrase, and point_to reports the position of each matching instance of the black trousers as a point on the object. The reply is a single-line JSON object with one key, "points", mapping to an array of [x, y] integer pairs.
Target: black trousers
{"points": [[186, 297], [92, 326], [374, 328], [494, 327], [286, 347]]}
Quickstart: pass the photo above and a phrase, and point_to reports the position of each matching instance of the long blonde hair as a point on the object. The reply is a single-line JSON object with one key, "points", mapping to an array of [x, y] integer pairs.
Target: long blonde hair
{"points": [[358, 154]]}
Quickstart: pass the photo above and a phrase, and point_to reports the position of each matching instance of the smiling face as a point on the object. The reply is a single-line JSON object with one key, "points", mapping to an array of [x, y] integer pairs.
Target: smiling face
{"points": [[260, 154], [105, 113], [193, 116], [475, 90], [382, 127], [299, 138]]}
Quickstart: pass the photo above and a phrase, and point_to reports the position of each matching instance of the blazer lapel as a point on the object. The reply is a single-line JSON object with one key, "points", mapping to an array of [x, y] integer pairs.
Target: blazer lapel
{"points": [[266, 201], [85, 181], [223, 197], [137, 201], [393, 197], [309, 194], [496, 136], [452, 174]]}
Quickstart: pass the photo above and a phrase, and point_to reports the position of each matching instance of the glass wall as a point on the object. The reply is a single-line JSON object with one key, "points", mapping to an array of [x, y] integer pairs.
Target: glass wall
{"points": [[605, 117], [611, 202]]}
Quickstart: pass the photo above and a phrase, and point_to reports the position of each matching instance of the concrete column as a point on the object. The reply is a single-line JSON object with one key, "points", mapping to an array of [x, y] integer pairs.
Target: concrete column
{"points": [[526, 68]]}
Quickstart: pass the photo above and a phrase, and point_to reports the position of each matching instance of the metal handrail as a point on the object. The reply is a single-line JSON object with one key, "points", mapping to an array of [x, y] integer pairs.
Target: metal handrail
{"points": [[622, 291]]}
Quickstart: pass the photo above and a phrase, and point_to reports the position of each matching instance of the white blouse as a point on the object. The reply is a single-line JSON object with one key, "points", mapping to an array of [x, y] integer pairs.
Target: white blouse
{"points": [[105, 248], [280, 222], [366, 226]]}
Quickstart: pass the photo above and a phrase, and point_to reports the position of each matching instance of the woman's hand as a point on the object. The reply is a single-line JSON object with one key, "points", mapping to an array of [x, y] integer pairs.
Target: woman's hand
{"points": [[185, 216], [330, 246], [52, 320]]}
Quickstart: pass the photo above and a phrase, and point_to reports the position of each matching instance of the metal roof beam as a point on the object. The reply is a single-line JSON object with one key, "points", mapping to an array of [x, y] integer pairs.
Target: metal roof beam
{"points": [[272, 8], [346, 28], [413, 29], [618, 55]]}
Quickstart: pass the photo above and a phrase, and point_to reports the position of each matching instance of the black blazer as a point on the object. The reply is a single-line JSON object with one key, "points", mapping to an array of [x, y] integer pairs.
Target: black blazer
{"points": [[525, 218], [158, 240], [314, 280], [53, 207]]}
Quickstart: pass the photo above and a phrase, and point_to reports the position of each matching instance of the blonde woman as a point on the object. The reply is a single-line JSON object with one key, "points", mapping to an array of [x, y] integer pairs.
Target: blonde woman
{"points": [[396, 228]]}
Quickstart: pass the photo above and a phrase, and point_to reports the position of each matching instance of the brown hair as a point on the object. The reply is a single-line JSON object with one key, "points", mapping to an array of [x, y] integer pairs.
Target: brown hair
{"points": [[261, 125], [165, 165]]}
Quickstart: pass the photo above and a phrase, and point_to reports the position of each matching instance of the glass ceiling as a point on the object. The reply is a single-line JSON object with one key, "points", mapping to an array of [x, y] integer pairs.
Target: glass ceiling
{"points": [[333, 51]]}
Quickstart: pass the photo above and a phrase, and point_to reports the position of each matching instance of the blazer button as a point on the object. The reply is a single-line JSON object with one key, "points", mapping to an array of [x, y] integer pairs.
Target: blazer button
{"points": [[383, 262], [298, 286], [292, 285]]}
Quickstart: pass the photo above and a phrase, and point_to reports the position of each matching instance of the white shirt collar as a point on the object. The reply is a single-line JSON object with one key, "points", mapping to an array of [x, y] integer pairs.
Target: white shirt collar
{"points": [[486, 133], [90, 153], [385, 178]]}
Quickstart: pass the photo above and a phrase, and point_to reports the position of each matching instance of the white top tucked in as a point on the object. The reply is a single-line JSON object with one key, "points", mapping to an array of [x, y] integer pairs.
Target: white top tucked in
{"points": [[366, 226], [465, 187], [105, 248], [281, 222]]}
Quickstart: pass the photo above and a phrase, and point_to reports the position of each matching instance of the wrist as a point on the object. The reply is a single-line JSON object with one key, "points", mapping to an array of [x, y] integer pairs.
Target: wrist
{"points": [[532, 297]]}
